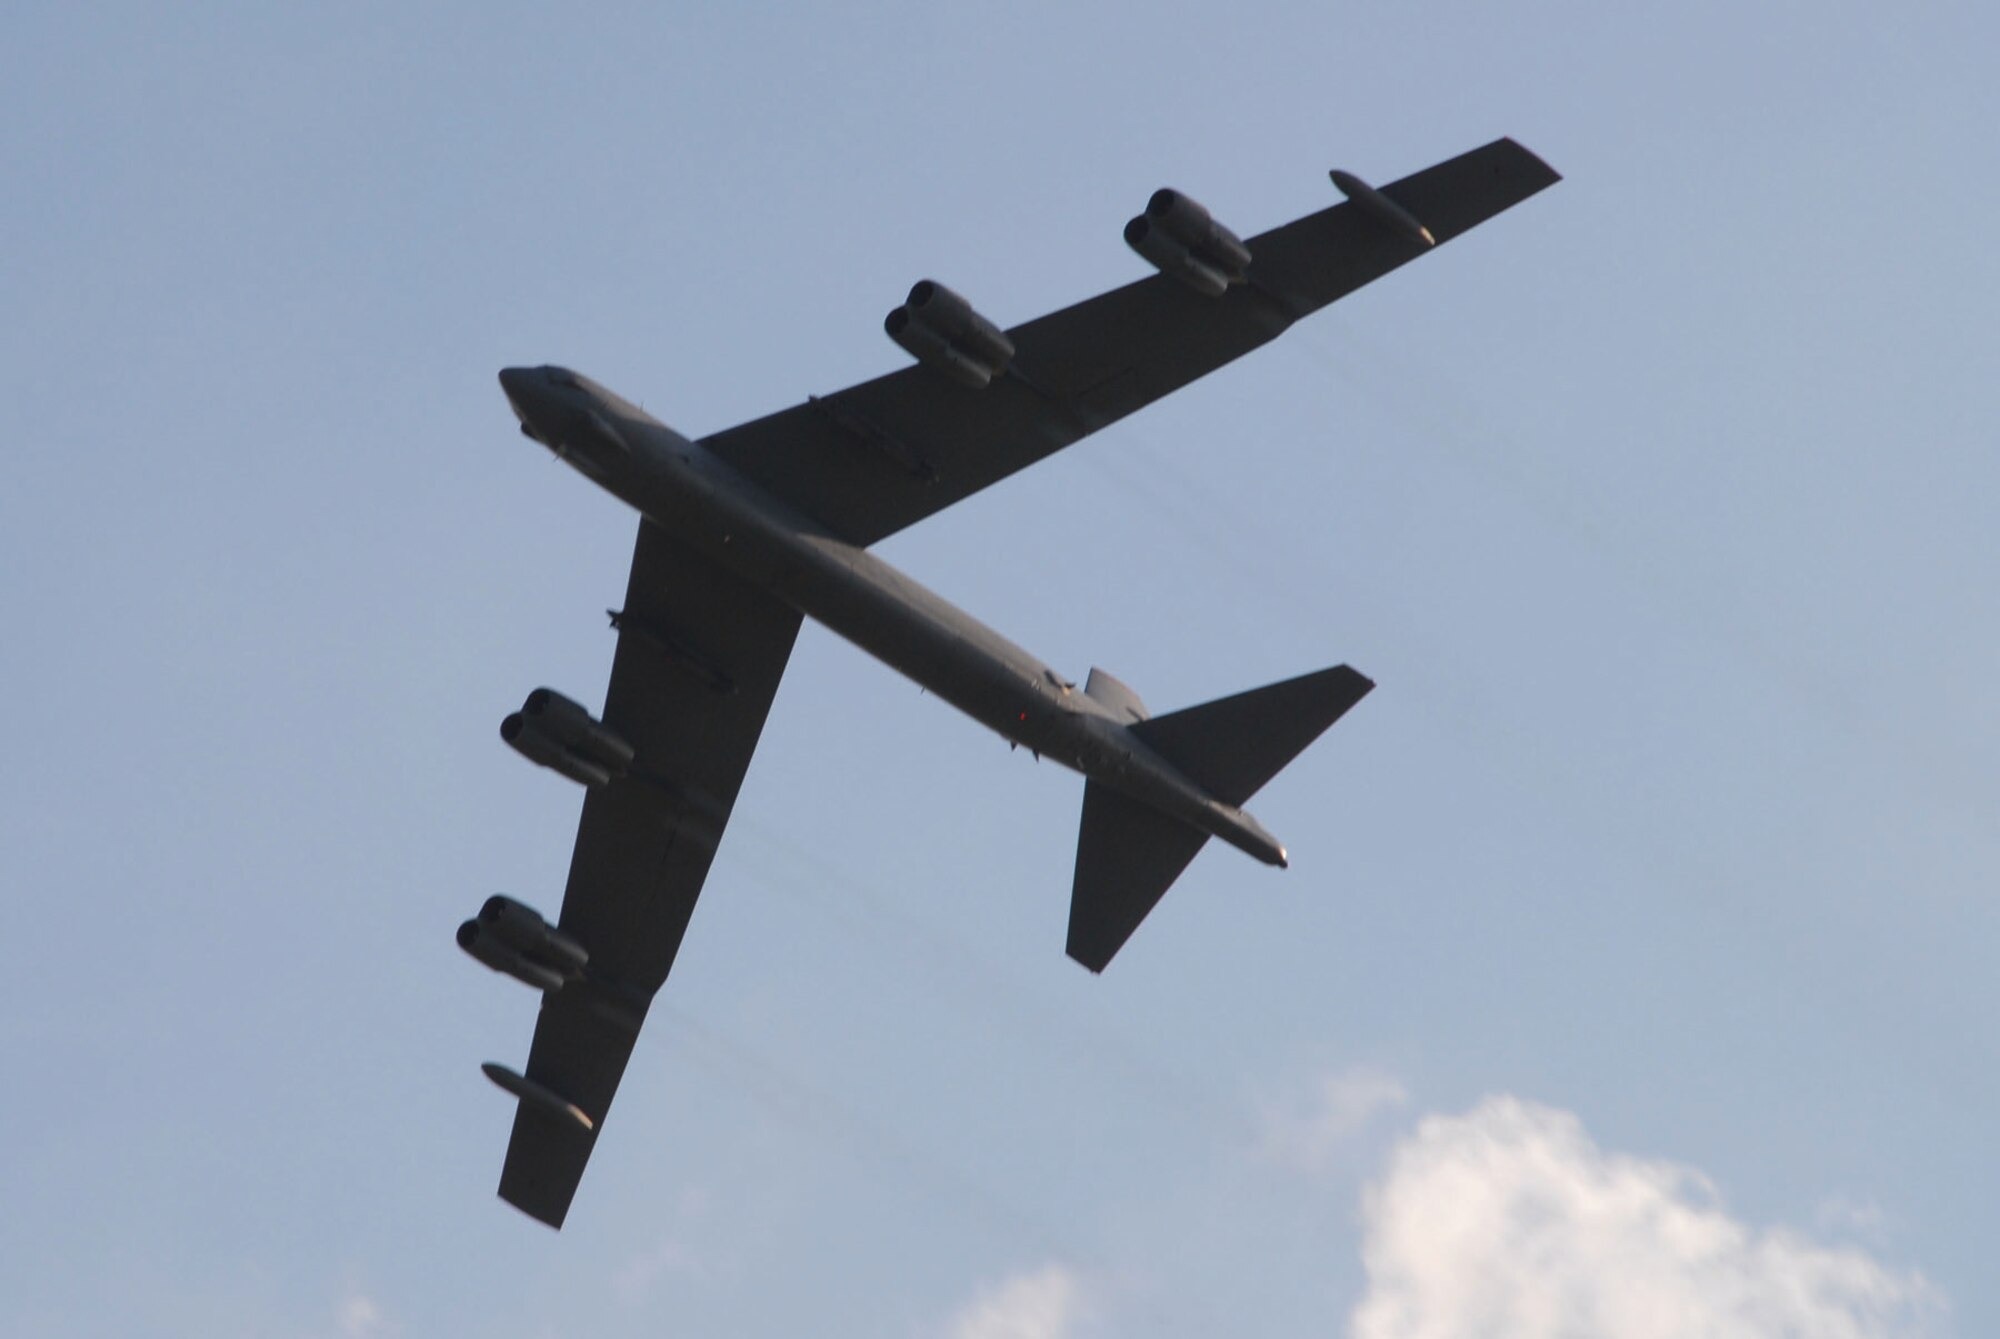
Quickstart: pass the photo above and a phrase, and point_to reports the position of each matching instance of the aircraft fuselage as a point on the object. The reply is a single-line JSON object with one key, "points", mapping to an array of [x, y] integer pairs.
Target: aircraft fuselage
{"points": [[704, 503]]}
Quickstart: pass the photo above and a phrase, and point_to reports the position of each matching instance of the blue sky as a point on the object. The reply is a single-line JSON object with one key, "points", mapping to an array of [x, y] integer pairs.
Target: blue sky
{"points": [[1633, 974]]}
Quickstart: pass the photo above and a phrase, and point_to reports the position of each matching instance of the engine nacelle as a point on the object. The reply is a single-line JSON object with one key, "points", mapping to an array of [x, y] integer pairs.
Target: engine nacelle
{"points": [[512, 938], [487, 947], [941, 329], [1177, 235], [555, 732], [523, 928]]}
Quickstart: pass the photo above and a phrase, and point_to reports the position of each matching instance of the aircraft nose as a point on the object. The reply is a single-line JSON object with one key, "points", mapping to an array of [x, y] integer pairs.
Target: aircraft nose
{"points": [[520, 385], [524, 389]]}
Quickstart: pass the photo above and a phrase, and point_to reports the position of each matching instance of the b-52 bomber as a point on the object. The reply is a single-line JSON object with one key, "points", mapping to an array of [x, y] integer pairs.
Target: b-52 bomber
{"points": [[743, 534]]}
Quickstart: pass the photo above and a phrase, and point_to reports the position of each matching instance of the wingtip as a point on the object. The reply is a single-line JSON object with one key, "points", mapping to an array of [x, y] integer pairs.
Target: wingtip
{"points": [[1094, 968], [552, 1221], [1536, 159]]}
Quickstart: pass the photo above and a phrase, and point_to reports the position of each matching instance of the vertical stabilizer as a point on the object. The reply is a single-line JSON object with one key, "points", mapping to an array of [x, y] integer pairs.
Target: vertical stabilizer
{"points": [[1115, 695], [1127, 856]]}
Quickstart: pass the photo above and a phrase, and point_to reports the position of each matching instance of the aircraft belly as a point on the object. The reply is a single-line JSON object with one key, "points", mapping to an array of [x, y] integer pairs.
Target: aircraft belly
{"points": [[908, 627], [750, 530], [866, 601]]}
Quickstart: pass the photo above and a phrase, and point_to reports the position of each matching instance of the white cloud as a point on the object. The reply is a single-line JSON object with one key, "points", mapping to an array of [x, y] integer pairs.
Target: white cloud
{"points": [[1863, 1220], [1308, 1135], [1510, 1223], [1041, 1305]]}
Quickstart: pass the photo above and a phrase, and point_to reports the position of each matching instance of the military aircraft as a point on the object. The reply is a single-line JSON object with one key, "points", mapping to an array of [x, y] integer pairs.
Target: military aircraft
{"points": [[743, 534]]}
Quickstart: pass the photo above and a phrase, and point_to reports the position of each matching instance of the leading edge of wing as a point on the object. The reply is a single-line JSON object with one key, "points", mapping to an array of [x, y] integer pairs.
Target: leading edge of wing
{"points": [[883, 454]]}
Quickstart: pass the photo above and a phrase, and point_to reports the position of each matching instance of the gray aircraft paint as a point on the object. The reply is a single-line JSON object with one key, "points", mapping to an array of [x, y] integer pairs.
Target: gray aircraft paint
{"points": [[749, 531], [706, 504]]}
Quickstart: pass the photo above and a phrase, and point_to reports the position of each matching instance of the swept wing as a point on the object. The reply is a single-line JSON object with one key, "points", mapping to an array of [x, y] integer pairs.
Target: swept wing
{"points": [[884, 454], [700, 653]]}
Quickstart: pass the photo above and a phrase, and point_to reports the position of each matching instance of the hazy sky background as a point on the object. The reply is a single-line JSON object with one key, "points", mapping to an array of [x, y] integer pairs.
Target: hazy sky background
{"points": [[1634, 972]]}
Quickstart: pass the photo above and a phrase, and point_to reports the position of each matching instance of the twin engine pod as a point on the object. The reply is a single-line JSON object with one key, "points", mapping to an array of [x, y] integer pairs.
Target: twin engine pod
{"points": [[940, 328], [512, 938], [555, 732], [1178, 236]]}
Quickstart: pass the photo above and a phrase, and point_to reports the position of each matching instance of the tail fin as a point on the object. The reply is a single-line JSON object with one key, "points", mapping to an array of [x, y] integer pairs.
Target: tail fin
{"points": [[1230, 747], [1128, 855]]}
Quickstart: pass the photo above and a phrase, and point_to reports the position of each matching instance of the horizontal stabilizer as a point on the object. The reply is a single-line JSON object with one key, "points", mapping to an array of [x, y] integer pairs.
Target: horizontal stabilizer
{"points": [[1230, 747], [1126, 858]]}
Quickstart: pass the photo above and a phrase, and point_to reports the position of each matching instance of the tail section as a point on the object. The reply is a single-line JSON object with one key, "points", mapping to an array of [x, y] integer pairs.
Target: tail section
{"points": [[1230, 747], [1129, 854]]}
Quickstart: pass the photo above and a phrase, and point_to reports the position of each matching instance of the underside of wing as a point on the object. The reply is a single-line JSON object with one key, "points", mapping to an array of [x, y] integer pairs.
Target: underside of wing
{"points": [[877, 457], [700, 654]]}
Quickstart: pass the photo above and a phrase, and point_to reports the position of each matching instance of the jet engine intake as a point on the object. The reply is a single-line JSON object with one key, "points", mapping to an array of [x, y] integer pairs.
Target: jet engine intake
{"points": [[1177, 235], [512, 938], [940, 328], [555, 732]]}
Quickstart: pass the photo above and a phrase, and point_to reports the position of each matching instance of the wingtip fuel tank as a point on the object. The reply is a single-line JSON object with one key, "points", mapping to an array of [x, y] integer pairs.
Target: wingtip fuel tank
{"points": [[1381, 207], [535, 1095]]}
